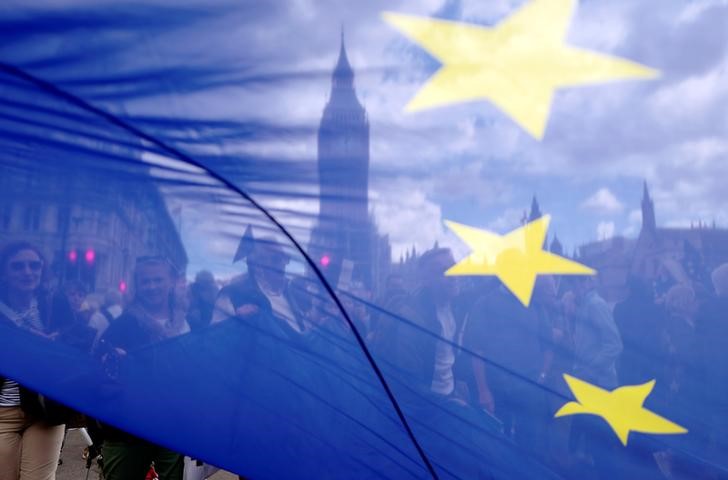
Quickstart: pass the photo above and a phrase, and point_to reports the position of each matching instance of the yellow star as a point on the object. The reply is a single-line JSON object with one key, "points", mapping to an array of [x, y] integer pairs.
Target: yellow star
{"points": [[516, 258], [517, 65], [621, 408]]}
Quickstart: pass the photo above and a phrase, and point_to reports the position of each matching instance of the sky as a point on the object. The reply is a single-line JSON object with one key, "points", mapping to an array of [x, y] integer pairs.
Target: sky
{"points": [[264, 68]]}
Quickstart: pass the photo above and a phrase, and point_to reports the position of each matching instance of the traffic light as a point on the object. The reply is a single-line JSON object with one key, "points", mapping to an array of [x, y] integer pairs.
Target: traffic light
{"points": [[325, 260]]}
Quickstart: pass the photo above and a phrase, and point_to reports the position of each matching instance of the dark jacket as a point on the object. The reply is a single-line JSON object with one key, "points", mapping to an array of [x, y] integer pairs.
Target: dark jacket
{"points": [[508, 335], [134, 330], [411, 344], [245, 290], [131, 331], [641, 325]]}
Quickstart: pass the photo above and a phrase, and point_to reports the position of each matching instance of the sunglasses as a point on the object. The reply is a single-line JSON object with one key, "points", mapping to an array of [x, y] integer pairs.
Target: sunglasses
{"points": [[33, 265]]}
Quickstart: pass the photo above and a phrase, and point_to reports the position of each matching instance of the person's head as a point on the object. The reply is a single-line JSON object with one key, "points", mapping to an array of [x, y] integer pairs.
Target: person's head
{"points": [[432, 267], [22, 269], [154, 282], [75, 292], [267, 261], [720, 280], [680, 300], [204, 287], [204, 277]]}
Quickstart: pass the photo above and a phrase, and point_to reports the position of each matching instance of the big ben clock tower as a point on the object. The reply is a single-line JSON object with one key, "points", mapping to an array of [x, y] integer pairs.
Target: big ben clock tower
{"points": [[343, 233]]}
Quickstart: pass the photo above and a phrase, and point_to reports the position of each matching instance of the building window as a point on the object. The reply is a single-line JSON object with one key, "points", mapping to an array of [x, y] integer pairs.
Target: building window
{"points": [[31, 222]]}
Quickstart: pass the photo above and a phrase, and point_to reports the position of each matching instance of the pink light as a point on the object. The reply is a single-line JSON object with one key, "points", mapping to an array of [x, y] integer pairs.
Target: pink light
{"points": [[325, 261], [72, 256], [90, 256], [122, 286]]}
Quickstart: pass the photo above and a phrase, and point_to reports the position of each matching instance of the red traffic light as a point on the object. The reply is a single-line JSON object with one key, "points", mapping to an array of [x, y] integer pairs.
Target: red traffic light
{"points": [[325, 260], [72, 256], [90, 256]]}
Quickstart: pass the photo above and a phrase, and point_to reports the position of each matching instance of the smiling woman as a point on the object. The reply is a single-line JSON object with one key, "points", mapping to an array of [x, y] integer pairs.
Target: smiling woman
{"points": [[31, 426]]}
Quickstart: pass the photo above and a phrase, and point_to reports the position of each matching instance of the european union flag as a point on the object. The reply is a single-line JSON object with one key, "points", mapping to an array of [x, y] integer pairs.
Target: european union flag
{"points": [[290, 239]]}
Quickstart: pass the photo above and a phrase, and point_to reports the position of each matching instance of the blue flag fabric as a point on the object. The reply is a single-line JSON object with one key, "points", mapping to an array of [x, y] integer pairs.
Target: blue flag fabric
{"points": [[318, 240]]}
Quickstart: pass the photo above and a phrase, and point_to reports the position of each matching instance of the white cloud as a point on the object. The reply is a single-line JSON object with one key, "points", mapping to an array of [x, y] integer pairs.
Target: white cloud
{"points": [[603, 201], [507, 221], [693, 10], [693, 96], [404, 212], [409, 218], [601, 26], [634, 223], [605, 230], [635, 217]]}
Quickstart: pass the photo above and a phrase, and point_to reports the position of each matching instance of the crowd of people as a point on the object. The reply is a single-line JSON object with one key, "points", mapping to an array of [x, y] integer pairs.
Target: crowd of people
{"points": [[467, 345]]}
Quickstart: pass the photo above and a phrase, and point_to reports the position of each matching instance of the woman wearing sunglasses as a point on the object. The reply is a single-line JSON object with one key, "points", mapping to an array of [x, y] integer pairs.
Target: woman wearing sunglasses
{"points": [[31, 427]]}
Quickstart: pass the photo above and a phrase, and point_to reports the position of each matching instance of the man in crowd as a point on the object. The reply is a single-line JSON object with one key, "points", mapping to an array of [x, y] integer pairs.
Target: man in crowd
{"points": [[597, 346], [712, 337], [427, 356], [508, 335], [641, 325], [264, 291], [597, 343], [202, 296]]}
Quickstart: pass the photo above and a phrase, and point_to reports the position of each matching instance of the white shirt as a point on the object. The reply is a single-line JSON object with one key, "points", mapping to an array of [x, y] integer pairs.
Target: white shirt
{"points": [[443, 381], [281, 307], [225, 309], [115, 311]]}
